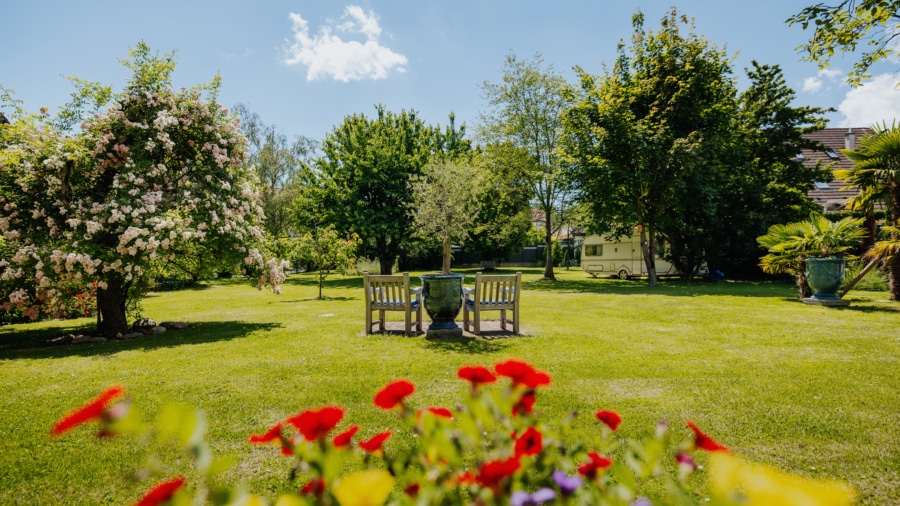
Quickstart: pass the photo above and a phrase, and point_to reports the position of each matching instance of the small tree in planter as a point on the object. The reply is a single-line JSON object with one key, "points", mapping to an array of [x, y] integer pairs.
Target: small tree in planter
{"points": [[817, 238], [446, 203], [445, 206]]}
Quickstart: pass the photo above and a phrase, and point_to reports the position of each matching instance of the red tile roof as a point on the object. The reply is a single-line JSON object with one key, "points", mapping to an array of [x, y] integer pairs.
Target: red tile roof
{"points": [[833, 198]]}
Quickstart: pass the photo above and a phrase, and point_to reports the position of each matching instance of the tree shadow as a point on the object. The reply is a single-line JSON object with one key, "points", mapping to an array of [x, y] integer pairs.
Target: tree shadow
{"points": [[667, 287], [316, 299], [33, 343]]}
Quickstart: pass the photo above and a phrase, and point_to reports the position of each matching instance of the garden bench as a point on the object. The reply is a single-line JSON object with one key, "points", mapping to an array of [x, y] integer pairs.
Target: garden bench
{"points": [[493, 293], [392, 293]]}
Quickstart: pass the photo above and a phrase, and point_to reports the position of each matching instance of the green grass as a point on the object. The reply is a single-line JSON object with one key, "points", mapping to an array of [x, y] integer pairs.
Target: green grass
{"points": [[811, 390]]}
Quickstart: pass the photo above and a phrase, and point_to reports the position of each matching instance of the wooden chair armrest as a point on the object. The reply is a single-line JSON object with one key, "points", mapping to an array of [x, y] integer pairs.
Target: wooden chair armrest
{"points": [[416, 291], [468, 291]]}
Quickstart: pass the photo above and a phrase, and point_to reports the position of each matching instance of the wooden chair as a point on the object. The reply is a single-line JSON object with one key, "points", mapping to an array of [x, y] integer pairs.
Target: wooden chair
{"points": [[493, 293], [392, 293]]}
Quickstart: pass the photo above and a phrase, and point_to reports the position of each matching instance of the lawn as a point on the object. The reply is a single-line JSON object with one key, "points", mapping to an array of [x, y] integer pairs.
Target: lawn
{"points": [[811, 390]]}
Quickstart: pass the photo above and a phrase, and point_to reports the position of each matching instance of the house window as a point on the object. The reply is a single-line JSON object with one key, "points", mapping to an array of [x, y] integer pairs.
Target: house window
{"points": [[831, 154], [593, 250], [822, 186]]}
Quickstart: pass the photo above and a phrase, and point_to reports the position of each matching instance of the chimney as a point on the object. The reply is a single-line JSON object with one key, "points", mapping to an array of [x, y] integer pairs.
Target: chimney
{"points": [[849, 139]]}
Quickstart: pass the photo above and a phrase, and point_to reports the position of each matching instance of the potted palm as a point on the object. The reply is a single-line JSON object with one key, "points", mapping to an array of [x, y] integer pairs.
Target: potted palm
{"points": [[445, 206], [815, 251]]}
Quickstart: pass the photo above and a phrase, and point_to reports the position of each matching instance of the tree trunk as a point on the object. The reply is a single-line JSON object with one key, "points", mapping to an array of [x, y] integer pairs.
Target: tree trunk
{"points": [[386, 254], [111, 301], [803, 286], [445, 263], [893, 266], [647, 251], [548, 240]]}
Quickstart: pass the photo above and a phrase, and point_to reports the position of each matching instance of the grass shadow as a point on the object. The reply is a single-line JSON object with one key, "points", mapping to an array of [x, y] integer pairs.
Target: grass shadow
{"points": [[33, 344], [467, 345]]}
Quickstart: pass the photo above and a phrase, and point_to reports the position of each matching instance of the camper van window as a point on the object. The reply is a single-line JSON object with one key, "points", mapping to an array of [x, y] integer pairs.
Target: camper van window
{"points": [[593, 250]]}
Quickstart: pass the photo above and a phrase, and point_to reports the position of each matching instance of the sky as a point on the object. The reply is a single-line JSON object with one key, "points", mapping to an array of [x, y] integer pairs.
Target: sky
{"points": [[304, 65]]}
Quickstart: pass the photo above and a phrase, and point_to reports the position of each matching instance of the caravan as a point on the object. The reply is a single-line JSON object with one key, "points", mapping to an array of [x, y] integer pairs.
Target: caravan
{"points": [[602, 257]]}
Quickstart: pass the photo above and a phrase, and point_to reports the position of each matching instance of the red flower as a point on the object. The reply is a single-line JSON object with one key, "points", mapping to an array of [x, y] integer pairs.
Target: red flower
{"points": [[530, 443], [393, 394], [344, 438], [412, 489], [596, 464], [314, 487], [274, 435], [492, 473], [476, 375], [516, 370], [315, 424], [538, 379], [466, 478], [703, 441], [161, 492], [441, 412], [374, 443], [610, 418], [525, 404], [92, 410]]}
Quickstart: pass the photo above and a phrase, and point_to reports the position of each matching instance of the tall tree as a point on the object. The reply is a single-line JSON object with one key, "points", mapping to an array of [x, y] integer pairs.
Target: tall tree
{"points": [[763, 181], [361, 182], [524, 111], [841, 27], [642, 135], [876, 171], [158, 169]]}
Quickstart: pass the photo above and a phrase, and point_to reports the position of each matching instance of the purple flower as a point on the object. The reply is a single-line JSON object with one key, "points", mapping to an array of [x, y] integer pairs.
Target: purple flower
{"points": [[641, 501], [520, 498], [567, 484]]}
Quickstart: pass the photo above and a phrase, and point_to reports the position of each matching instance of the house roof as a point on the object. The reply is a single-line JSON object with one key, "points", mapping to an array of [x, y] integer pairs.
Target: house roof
{"points": [[832, 195]]}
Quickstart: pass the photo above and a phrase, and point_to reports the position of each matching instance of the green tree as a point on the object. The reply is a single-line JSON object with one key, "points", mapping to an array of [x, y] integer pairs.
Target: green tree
{"points": [[644, 138], [524, 112], [762, 181], [504, 216], [158, 169], [876, 171], [790, 245], [325, 251], [841, 27], [361, 182], [445, 203]]}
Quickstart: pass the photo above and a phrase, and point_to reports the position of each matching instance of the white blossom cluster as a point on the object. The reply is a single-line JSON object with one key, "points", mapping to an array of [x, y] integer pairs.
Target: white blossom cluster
{"points": [[156, 170]]}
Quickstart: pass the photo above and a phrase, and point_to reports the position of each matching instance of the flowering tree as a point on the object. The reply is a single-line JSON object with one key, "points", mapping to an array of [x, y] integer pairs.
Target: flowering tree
{"points": [[157, 170]]}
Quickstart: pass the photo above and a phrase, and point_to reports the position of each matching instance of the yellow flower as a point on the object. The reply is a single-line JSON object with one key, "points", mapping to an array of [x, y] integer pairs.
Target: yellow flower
{"points": [[755, 484], [364, 488]]}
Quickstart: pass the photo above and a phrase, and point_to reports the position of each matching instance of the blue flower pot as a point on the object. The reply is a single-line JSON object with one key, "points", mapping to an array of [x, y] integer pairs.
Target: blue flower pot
{"points": [[442, 298], [825, 276]]}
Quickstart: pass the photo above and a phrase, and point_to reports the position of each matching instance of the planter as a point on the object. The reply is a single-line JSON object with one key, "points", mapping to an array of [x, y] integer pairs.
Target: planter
{"points": [[442, 298], [825, 276]]}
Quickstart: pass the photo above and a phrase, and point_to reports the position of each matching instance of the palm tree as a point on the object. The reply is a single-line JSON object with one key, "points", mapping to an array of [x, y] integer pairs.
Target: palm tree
{"points": [[790, 245], [886, 250], [876, 172]]}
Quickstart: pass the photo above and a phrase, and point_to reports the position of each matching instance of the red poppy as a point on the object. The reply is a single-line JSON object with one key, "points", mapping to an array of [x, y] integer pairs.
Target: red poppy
{"points": [[703, 441], [476, 375], [525, 404], [411, 490], [493, 472], [441, 412], [516, 370], [374, 443], [593, 467], [466, 478], [314, 487], [161, 493], [610, 418], [393, 394], [92, 410], [530, 443], [270, 435], [316, 423], [344, 438], [538, 379]]}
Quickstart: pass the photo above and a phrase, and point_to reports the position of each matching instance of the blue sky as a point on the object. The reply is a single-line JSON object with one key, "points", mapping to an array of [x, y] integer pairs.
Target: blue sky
{"points": [[304, 65]]}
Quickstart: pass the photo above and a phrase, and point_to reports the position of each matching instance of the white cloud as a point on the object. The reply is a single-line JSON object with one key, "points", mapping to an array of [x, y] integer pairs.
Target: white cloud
{"points": [[877, 100], [824, 77], [327, 55]]}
